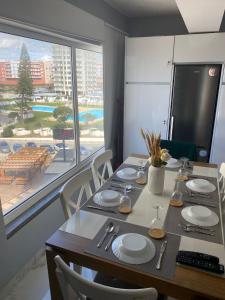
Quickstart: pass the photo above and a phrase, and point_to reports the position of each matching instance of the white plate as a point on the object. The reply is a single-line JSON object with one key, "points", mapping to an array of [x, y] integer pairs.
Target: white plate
{"points": [[107, 199], [200, 215], [201, 186], [109, 195], [173, 163], [127, 173], [133, 248]]}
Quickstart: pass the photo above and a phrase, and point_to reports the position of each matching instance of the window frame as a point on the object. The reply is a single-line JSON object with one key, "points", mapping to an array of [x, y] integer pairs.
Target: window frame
{"points": [[47, 36]]}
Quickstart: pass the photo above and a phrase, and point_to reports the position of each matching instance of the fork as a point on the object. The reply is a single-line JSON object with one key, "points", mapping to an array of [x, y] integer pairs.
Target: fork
{"points": [[198, 227], [197, 230]]}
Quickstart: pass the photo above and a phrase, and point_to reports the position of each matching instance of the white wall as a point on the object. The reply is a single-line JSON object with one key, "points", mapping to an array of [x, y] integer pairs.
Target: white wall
{"points": [[54, 14], [62, 16]]}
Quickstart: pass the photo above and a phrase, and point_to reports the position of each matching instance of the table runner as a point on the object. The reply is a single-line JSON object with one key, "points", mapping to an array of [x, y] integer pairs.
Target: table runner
{"points": [[174, 213], [169, 260]]}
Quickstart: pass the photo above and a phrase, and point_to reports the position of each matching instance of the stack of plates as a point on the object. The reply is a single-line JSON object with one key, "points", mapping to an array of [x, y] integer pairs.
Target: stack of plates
{"points": [[133, 248], [173, 163], [107, 198], [201, 186], [200, 215], [128, 174]]}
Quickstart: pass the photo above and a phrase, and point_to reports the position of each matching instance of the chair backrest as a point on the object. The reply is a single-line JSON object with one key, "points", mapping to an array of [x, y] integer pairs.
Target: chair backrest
{"points": [[69, 279], [78, 184], [178, 149], [222, 181], [102, 161]]}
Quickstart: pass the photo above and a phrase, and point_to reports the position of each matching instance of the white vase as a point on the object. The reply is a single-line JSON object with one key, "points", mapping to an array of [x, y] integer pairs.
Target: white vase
{"points": [[156, 179]]}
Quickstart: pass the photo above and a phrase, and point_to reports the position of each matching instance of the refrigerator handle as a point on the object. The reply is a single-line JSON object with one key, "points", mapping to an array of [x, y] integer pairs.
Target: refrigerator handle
{"points": [[171, 128]]}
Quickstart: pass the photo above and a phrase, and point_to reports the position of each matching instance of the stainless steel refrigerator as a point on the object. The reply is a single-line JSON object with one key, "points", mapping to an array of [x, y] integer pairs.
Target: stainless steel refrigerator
{"points": [[194, 99]]}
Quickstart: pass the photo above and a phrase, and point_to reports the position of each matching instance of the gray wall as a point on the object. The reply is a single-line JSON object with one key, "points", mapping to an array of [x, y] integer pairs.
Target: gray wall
{"points": [[62, 16], [166, 25]]}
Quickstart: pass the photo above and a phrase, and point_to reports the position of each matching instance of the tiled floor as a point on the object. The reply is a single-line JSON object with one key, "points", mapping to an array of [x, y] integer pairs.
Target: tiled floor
{"points": [[31, 283]]}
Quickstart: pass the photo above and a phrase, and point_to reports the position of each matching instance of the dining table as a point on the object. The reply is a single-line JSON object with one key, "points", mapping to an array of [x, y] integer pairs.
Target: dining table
{"points": [[75, 241]]}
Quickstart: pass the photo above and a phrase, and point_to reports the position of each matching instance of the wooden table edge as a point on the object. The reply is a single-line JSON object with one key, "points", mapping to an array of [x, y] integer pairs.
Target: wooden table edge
{"points": [[72, 248]]}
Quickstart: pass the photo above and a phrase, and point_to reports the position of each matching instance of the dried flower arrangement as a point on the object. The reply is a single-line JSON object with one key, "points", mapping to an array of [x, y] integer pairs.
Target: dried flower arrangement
{"points": [[158, 156]]}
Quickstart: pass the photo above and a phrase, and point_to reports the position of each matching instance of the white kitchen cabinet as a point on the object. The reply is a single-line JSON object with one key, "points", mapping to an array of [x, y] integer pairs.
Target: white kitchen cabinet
{"points": [[149, 59], [218, 142], [146, 106], [200, 48]]}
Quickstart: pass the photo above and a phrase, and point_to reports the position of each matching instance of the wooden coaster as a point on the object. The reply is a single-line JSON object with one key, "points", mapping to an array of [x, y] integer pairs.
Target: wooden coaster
{"points": [[176, 202], [141, 181], [182, 177], [125, 210], [157, 233]]}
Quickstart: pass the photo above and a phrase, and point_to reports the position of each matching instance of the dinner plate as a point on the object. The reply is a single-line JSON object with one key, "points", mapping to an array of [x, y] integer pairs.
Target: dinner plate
{"points": [[200, 185], [127, 173], [173, 163], [107, 198], [133, 248], [200, 215]]}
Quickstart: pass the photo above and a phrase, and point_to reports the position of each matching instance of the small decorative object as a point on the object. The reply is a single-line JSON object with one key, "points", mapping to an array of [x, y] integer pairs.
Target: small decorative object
{"points": [[158, 159]]}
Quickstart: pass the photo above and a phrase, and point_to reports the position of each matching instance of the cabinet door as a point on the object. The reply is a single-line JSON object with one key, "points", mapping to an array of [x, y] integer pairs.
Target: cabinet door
{"points": [[218, 142], [197, 48], [146, 106], [149, 59]]}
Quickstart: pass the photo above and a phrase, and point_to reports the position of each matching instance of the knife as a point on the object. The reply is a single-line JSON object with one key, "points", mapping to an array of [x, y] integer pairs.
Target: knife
{"points": [[162, 251], [112, 238], [102, 209], [200, 203]]}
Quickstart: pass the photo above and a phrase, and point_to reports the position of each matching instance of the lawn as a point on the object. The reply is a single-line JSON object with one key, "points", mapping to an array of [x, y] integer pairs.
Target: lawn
{"points": [[39, 120]]}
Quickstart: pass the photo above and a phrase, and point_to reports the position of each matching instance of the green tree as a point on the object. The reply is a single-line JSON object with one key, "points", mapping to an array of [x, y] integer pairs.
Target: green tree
{"points": [[7, 132], [24, 86], [13, 115], [61, 114]]}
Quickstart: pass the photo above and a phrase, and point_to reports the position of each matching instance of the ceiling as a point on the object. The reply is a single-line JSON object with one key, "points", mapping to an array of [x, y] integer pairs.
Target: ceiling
{"points": [[144, 8]]}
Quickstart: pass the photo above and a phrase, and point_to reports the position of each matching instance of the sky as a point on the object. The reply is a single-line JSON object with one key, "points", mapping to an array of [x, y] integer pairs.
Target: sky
{"points": [[10, 48]]}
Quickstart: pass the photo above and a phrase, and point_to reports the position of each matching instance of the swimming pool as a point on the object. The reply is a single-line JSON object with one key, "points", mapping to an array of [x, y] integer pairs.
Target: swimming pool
{"points": [[96, 113]]}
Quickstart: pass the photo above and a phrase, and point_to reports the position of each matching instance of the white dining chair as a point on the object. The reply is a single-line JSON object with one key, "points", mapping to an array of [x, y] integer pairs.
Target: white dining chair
{"points": [[73, 190], [222, 181], [103, 162], [72, 283]]}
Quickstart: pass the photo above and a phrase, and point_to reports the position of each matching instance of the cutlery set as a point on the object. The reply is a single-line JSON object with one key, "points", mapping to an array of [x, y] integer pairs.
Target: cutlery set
{"points": [[110, 229], [197, 229], [197, 194], [209, 204]]}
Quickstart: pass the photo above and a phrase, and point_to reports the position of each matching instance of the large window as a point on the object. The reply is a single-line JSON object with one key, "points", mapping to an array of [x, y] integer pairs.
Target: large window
{"points": [[39, 95], [89, 67]]}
